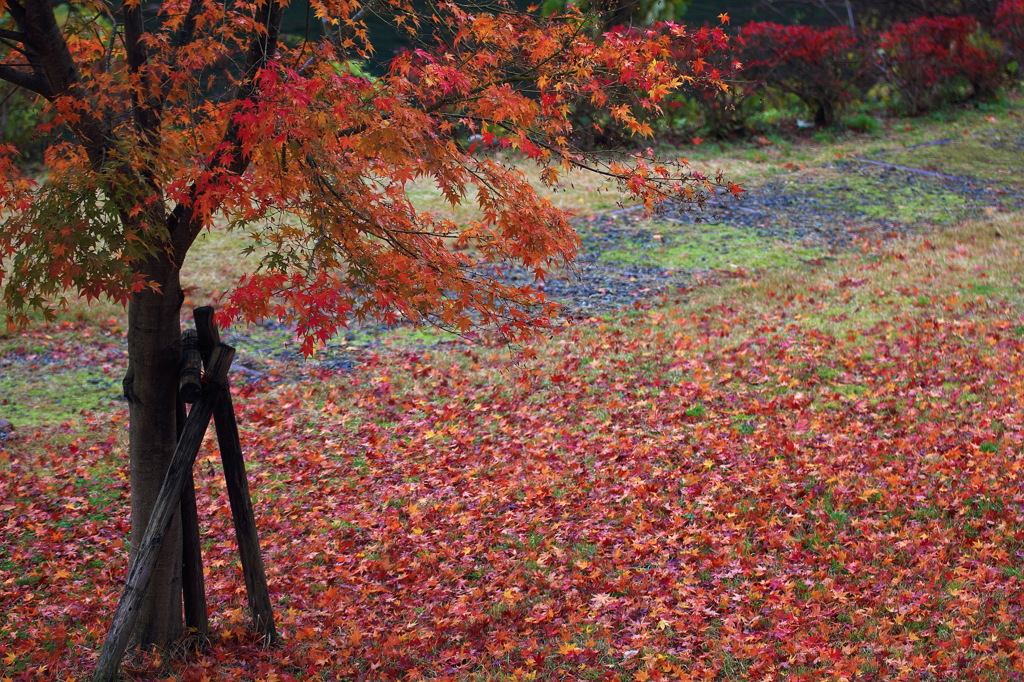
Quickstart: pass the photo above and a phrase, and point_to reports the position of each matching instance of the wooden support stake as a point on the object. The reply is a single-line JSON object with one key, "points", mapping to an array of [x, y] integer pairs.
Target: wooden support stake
{"points": [[206, 331], [193, 588], [192, 585], [238, 491], [166, 504], [244, 518], [190, 382]]}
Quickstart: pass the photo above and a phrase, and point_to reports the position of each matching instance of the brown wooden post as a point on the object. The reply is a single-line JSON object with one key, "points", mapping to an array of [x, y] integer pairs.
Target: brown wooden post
{"points": [[192, 579], [242, 513], [244, 518], [207, 336], [190, 385], [167, 502], [192, 585]]}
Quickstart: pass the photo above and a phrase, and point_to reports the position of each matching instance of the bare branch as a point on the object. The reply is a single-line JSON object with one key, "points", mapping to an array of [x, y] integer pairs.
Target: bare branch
{"points": [[344, 30], [45, 47], [110, 44], [24, 79], [17, 36], [147, 106]]}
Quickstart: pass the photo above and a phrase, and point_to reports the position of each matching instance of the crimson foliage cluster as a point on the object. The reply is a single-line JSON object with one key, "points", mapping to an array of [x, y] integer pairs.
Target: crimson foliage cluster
{"points": [[917, 66]]}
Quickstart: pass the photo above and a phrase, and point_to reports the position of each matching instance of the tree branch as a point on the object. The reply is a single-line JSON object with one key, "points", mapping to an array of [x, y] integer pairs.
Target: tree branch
{"points": [[182, 223], [17, 36], [344, 29], [46, 49], [23, 79], [147, 107]]}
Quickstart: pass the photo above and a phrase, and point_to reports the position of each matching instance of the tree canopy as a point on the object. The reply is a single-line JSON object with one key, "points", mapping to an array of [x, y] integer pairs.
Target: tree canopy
{"points": [[202, 115]]}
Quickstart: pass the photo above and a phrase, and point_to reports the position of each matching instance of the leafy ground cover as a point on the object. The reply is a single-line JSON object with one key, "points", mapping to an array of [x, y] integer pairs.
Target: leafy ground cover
{"points": [[812, 471]]}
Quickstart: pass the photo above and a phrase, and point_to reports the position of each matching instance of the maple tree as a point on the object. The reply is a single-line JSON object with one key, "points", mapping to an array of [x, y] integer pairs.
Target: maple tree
{"points": [[175, 117]]}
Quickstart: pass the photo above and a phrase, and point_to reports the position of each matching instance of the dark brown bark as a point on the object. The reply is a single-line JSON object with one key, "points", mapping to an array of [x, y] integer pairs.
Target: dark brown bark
{"points": [[151, 387]]}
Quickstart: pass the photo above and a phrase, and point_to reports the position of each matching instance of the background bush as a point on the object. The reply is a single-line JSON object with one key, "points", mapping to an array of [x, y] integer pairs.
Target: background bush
{"points": [[934, 60], [824, 67], [20, 115], [1009, 27]]}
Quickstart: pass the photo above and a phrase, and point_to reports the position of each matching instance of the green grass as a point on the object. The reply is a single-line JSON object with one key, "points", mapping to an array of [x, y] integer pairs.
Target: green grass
{"points": [[993, 155], [50, 397], [871, 192], [708, 247]]}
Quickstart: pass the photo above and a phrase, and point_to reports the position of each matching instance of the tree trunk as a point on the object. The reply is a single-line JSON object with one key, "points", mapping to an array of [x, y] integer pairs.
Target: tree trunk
{"points": [[825, 115], [151, 386]]}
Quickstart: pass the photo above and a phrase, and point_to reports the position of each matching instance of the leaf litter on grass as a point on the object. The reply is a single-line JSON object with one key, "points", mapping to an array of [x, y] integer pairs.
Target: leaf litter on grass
{"points": [[803, 216], [812, 475], [730, 490]]}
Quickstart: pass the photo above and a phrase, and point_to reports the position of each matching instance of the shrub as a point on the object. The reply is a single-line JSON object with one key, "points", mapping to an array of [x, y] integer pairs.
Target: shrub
{"points": [[1009, 26], [821, 66], [864, 123], [884, 12], [933, 60], [20, 116]]}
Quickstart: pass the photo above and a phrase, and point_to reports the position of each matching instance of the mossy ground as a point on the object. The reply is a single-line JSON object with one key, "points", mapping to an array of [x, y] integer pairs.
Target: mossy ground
{"points": [[50, 374], [48, 396], [888, 194], [676, 246], [39, 393]]}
